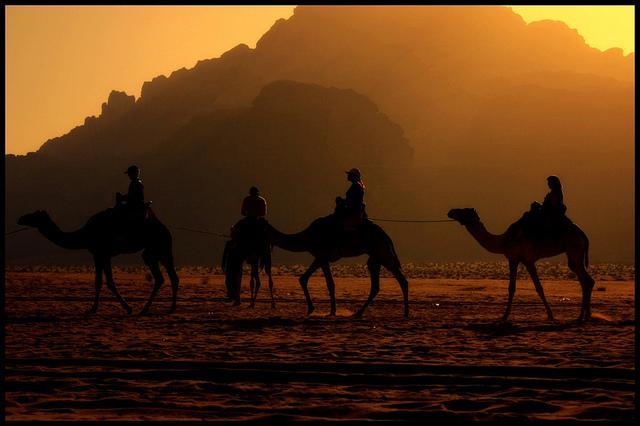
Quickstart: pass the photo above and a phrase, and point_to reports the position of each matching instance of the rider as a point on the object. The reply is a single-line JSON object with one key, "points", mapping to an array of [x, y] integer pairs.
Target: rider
{"points": [[253, 205], [548, 217], [355, 193], [552, 212], [132, 203], [352, 208], [254, 210], [553, 202]]}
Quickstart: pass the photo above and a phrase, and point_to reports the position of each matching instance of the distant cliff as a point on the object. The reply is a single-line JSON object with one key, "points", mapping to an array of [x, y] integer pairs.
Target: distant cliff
{"points": [[440, 106]]}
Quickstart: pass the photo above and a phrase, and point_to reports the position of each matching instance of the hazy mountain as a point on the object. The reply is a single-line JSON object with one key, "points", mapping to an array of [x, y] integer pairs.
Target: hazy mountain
{"points": [[490, 106], [295, 141]]}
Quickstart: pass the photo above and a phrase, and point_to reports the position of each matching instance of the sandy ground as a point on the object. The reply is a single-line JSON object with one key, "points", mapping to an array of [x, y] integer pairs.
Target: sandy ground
{"points": [[449, 361]]}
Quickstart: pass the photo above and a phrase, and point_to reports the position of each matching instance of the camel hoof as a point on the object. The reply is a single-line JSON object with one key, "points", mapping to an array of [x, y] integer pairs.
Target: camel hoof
{"points": [[310, 310], [273, 306], [91, 311], [332, 314], [358, 315], [236, 303], [144, 311]]}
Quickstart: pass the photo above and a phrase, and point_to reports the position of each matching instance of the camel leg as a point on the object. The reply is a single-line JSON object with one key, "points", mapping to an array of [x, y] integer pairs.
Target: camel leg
{"points": [[587, 283], [108, 273], [255, 275], [513, 274], [331, 286], [304, 280], [98, 283], [404, 286], [158, 279], [531, 268], [175, 281], [252, 286], [374, 272], [267, 269], [237, 290]]}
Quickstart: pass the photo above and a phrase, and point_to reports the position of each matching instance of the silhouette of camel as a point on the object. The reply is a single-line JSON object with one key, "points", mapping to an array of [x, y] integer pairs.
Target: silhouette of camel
{"points": [[257, 257], [327, 243], [519, 248], [98, 236]]}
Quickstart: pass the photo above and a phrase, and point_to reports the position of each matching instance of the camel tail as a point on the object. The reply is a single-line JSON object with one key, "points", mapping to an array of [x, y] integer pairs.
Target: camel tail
{"points": [[586, 247]]}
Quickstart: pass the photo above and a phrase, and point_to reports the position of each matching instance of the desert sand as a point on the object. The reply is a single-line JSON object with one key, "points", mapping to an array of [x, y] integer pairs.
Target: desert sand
{"points": [[449, 361]]}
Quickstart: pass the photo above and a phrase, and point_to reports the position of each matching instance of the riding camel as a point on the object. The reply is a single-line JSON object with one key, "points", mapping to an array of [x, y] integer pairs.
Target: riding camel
{"points": [[327, 242], [258, 257], [99, 237], [519, 247]]}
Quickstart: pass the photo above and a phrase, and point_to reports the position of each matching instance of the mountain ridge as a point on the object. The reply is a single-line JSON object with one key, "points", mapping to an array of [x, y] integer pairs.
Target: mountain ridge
{"points": [[487, 104]]}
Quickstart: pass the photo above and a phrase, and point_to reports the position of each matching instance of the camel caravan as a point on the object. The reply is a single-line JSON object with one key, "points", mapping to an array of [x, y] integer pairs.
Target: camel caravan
{"points": [[129, 227]]}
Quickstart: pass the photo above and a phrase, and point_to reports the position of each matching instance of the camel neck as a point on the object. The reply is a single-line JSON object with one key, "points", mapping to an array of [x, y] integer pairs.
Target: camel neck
{"points": [[67, 240], [491, 242], [290, 242]]}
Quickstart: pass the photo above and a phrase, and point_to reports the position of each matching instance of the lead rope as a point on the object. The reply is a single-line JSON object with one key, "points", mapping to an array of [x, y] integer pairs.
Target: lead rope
{"points": [[412, 221], [16, 231]]}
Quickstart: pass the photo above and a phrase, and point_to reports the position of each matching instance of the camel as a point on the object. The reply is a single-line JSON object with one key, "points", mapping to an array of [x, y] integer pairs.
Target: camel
{"points": [[325, 240], [519, 248], [257, 257], [98, 237]]}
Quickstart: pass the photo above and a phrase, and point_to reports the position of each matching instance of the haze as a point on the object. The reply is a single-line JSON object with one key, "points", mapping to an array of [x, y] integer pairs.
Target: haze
{"points": [[62, 61]]}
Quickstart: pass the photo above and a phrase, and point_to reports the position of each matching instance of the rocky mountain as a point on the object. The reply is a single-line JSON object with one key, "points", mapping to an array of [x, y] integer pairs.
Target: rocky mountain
{"points": [[440, 106]]}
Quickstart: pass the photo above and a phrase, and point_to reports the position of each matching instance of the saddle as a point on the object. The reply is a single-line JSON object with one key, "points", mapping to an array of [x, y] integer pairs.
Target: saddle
{"points": [[349, 218], [538, 224], [131, 222], [249, 229]]}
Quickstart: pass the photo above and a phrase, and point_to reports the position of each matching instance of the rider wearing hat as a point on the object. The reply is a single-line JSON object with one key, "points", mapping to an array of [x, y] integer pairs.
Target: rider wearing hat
{"points": [[355, 193], [352, 207], [133, 200]]}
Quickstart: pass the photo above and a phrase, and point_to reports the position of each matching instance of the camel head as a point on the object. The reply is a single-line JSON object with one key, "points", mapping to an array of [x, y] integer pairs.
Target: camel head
{"points": [[464, 216], [35, 219]]}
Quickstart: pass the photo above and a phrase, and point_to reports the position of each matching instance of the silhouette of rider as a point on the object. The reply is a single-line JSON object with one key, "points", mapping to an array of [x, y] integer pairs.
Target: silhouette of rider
{"points": [[355, 193], [253, 205], [549, 217], [254, 210], [132, 203], [352, 207], [553, 205]]}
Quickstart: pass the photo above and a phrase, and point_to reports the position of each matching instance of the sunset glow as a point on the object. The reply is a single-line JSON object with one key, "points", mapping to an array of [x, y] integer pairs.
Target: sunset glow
{"points": [[62, 61]]}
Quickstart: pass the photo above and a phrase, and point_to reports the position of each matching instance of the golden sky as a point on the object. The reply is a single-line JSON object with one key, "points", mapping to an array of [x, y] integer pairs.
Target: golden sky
{"points": [[62, 61]]}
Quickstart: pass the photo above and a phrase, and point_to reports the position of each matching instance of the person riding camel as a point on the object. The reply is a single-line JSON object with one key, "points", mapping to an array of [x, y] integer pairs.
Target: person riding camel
{"points": [[131, 205], [549, 217], [352, 207], [254, 210], [253, 205], [553, 205], [552, 212]]}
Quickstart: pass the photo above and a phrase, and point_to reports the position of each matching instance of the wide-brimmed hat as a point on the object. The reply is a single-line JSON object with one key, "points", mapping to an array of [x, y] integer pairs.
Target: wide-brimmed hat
{"points": [[355, 172]]}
